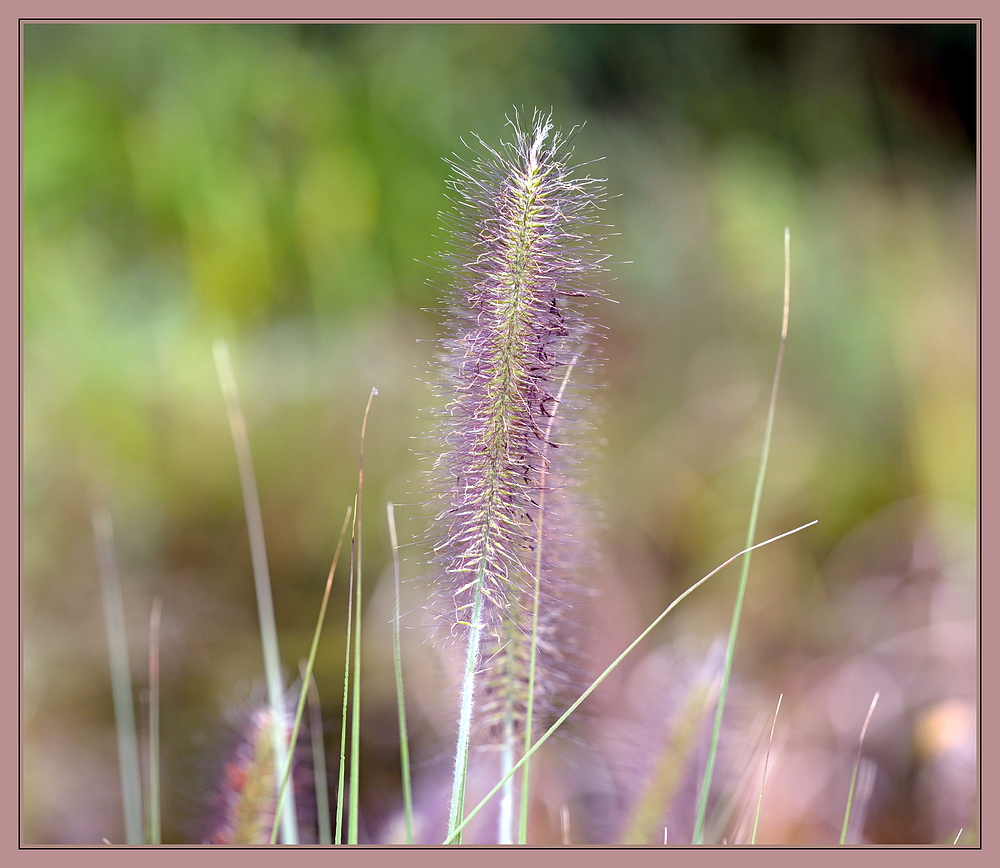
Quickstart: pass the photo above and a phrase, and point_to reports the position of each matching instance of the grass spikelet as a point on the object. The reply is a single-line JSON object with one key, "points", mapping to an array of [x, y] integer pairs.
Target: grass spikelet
{"points": [[247, 797], [520, 275], [514, 326], [669, 779]]}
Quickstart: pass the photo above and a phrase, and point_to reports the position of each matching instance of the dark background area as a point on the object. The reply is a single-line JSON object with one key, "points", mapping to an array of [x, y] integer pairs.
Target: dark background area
{"points": [[279, 186]]}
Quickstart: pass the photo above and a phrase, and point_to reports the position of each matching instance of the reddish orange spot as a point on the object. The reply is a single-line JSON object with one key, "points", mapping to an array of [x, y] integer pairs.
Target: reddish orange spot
{"points": [[236, 777]]}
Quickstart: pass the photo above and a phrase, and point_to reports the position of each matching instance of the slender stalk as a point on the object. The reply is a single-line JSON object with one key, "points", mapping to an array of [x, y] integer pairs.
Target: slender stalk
{"points": [[763, 777], [338, 836], [121, 677], [854, 773], [397, 659], [353, 804], [741, 592], [465, 717], [505, 832], [307, 675], [262, 579], [319, 765], [600, 678], [154, 722]]}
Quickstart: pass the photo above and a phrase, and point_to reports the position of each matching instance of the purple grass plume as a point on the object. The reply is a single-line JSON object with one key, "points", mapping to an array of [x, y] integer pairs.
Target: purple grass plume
{"points": [[244, 802], [521, 272]]}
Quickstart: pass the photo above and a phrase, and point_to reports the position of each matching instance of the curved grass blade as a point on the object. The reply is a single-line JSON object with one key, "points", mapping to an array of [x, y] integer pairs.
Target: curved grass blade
{"points": [[600, 678], [854, 773], [763, 777]]}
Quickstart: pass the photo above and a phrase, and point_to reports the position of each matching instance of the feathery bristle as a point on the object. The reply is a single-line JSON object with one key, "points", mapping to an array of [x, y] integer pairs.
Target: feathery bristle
{"points": [[520, 271]]}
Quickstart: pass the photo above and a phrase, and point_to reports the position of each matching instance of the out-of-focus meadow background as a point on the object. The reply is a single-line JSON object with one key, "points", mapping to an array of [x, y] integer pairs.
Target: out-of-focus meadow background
{"points": [[279, 186]]}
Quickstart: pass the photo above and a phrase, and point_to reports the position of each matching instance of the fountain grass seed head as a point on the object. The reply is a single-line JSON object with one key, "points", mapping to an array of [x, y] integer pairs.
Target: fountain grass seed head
{"points": [[521, 272]]}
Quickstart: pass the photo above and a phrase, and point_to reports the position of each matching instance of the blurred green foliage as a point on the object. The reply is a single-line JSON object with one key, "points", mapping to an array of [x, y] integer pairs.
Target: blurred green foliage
{"points": [[279, 185]]}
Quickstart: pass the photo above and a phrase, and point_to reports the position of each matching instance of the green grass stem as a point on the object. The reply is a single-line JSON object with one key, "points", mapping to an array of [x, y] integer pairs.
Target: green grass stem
{"points": [[306, 679], [338, 835], [121, 677], [353, 804], [262, 579], [397, 660], [744, 575]]}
